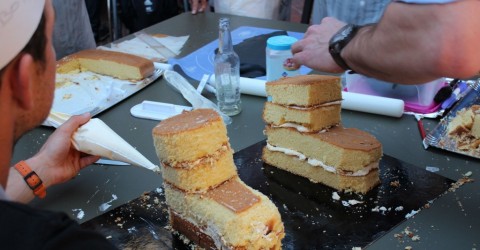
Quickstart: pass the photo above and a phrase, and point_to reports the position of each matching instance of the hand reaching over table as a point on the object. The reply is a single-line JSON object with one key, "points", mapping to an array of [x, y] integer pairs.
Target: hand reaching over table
{"points": [[312, 50]]}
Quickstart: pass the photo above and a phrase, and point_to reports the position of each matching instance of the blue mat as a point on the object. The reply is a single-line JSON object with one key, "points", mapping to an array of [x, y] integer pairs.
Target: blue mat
{"points": [[200, 62]]}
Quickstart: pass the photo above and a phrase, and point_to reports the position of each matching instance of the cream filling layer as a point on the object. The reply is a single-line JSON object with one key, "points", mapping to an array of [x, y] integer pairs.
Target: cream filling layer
{"points": [[318, 163], [316, 106], [208, 159], [298, 127]]}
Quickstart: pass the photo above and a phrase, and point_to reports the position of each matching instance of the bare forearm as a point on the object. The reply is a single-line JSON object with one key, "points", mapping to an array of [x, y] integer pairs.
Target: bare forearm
{"points": [[418, 43]]}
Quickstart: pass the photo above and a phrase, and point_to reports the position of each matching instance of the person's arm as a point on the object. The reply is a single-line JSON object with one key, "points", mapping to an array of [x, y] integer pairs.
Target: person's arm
{"points": [[56, 162], [418, 43], [411, 44]]}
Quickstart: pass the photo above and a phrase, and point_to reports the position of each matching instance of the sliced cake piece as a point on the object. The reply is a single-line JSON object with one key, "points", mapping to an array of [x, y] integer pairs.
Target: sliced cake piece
{"points": [[462, 123], [360, 182], [306, 119], [230, 216], [194, 150], [116, 64], [345, 149], [305, 90], [190, 136]]}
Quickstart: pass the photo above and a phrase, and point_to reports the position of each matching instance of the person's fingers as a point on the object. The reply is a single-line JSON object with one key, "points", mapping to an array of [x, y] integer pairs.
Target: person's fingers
{"points": [[298, 59], [194, 4], [74, 122], [297, 47], [88, 160]]}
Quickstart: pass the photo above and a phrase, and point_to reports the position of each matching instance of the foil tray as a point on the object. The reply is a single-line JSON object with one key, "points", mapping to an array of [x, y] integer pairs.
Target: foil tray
{"points": [[312, 218], [439, 138], [77, 93]]}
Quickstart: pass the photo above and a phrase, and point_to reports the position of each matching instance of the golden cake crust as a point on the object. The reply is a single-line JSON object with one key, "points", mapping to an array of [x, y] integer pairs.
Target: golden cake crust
{"points": [[187, 121], [343, 148], [314, 118], [257, 227], [112, 63], [316, 174], [189, 136], [190, 176], [350, 138], [305, 90]]}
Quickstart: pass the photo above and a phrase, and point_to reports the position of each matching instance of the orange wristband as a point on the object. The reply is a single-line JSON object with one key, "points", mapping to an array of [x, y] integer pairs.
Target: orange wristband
{"points": [[32, 179]]}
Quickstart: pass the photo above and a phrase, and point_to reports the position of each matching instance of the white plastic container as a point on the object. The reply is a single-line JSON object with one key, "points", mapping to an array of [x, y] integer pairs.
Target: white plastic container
{"points": [[279, 58], [419, 95]]}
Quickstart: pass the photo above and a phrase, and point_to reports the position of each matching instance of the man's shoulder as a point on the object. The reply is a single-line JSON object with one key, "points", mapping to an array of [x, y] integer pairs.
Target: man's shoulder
{"points": [[13, 212], [25, 227]]}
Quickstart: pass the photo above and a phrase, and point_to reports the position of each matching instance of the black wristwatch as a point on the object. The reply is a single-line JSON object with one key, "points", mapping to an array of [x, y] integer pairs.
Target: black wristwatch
{"points": [[339, 41]]}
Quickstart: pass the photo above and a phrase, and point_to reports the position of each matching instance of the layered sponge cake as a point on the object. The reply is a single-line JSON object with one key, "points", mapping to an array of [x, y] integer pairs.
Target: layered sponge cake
{"points": [[320, 149], [116, 64], [208, 203], [342, 158], [310, 101], [194, 150]]}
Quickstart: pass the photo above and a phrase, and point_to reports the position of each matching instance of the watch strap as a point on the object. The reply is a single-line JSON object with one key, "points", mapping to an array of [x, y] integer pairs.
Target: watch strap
{"points": [[335, 47], [32, 179]]}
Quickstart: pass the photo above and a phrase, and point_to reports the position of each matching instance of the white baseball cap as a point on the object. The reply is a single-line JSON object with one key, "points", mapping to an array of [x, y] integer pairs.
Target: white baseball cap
{"points": [[18, 21]]}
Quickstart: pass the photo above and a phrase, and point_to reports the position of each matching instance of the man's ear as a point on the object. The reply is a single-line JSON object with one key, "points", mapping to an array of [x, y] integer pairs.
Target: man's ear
{"points": [[22, 81]]}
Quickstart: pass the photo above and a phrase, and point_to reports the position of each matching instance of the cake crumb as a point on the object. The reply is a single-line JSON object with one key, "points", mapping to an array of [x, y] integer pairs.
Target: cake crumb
{"points": [[460, 182], [411, 214], [335, 196], [395, 183]]}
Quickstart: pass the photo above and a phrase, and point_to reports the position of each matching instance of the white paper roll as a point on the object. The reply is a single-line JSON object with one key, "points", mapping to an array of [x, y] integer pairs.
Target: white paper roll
{"points": [[372, 104], [248, 86]]}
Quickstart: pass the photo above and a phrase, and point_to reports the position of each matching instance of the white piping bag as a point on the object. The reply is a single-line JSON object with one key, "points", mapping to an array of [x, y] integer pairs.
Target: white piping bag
{"points": [[96, 138]]}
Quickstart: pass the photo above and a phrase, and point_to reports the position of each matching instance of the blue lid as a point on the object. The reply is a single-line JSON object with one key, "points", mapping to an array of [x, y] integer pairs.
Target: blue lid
{"points": [[281, 42]]}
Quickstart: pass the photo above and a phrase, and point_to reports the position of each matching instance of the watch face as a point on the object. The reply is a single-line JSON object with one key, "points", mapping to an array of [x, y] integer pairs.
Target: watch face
{"points": [[344, 32], [339, 41]]}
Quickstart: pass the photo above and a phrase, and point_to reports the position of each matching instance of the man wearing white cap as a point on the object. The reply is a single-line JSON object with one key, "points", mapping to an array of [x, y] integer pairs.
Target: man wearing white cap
{"points": [[27, 79]]}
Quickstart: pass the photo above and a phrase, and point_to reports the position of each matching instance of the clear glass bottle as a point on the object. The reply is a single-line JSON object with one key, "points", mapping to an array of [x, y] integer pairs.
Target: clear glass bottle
{"points": [[227, 72]]}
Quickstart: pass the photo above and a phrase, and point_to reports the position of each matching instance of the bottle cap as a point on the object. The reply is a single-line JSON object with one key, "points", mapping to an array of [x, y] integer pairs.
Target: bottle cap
{"points": [[281, 42], [18, 22]]}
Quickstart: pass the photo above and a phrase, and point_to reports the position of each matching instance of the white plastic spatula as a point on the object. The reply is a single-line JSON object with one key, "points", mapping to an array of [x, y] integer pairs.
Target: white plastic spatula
{"points": [[96, 138], [192, 96]]}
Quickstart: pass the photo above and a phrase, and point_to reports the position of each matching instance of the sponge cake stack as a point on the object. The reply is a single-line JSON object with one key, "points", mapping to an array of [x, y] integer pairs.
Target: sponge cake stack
{"points": [[208, 203], [304, 135]]}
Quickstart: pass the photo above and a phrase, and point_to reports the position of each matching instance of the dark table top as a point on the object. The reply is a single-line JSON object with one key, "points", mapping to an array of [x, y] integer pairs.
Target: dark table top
{"points": [[451, 222]]}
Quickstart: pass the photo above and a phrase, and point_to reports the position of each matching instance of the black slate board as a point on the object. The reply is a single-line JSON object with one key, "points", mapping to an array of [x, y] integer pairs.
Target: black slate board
{"points": [[312, 219]]}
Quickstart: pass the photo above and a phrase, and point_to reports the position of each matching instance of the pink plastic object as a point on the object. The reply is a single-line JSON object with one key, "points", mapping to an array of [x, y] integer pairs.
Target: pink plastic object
{"points": [[417, 98]]}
